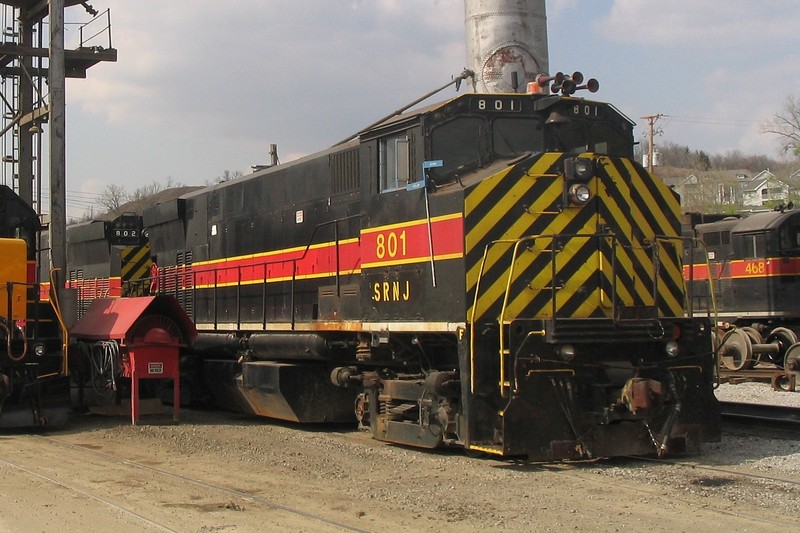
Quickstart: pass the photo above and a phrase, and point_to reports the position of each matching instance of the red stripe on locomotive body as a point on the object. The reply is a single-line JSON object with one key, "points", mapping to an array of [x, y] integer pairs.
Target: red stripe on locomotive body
{"points": [[317, 261], [407, 242], [748, 268], [401, 243], [88, 289]]}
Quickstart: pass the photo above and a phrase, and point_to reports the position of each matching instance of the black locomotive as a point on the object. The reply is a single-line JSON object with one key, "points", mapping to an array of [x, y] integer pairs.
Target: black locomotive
{"points": [[750, 279], [494, 272]]}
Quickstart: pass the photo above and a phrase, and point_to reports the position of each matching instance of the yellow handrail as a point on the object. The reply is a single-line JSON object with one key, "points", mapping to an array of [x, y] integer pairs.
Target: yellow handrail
{"points": [[56, 304]]}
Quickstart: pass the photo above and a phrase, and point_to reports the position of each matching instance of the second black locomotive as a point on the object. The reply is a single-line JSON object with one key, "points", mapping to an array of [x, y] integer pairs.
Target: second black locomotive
{"points": [[750, 279]]}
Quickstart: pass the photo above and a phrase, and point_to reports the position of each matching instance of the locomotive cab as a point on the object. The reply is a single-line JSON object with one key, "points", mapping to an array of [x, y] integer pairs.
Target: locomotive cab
{"points": [[764, 248]]}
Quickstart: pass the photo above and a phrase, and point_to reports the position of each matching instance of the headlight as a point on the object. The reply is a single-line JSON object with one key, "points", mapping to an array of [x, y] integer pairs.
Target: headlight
{"points": [[672, 350], [583, 169], [566, 352], [39, 349], [579, 194], [580, 169]]}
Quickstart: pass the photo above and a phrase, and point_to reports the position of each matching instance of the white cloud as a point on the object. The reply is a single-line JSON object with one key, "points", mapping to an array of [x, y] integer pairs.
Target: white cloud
{"points": [[203, 88], [707, 23]]}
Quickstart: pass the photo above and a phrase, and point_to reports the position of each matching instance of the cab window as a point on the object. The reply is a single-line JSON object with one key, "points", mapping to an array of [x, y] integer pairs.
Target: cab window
{"points": [[394, 162], [789, 236], [461, 144], [754, 246], [515, 136]]}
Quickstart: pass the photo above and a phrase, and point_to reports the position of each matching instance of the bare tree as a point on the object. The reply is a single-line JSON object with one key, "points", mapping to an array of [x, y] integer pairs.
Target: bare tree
{"points": [[117, 200], [227, 175], [141, 198], [786, 125], [113, 198]]}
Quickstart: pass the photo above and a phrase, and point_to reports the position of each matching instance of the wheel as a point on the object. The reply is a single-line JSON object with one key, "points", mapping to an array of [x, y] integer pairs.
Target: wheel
{"points": [[785, 339], [784, 382], [754, 334], [791, 362], [736, 352], [362, 410]]}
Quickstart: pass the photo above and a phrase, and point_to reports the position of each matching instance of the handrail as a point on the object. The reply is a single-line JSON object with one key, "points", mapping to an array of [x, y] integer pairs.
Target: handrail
{"points": [[711, 313], [653, 249], [107, 28], [180, 273], [55, 303]]}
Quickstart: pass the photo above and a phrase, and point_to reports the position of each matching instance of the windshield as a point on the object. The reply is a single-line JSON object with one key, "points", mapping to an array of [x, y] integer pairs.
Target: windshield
{"points": [[461, 144], [512, 137], [576, 135]]}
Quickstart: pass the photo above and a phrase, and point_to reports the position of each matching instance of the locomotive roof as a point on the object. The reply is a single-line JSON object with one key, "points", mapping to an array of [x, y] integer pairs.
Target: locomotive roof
{"points": [[396, 121], [270, 170], [764, 221], [543, 101]]}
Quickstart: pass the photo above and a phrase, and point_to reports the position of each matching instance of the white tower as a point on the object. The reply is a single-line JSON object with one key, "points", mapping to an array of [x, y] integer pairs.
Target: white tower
{"points": [[506, 43]]}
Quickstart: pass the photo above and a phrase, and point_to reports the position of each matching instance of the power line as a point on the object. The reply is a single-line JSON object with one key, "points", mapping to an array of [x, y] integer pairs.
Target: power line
{"points": [[711, 121]]}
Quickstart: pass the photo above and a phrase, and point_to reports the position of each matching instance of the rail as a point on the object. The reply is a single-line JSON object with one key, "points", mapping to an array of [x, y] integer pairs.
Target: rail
{"points": [[92, 31], [771, 415]]}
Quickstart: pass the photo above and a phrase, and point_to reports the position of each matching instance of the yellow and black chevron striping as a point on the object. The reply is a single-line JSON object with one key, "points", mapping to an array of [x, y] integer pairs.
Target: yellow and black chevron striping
{"points": [[572, 262], [135, 270]]}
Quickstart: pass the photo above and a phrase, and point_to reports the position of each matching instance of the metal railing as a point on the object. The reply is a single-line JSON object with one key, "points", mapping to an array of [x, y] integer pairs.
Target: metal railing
{"points": [[557, 243], [184, 281], [96, 31]]}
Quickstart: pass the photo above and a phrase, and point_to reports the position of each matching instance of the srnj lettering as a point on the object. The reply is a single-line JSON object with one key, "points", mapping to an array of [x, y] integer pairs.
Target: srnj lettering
{"points": [[391, 291]]}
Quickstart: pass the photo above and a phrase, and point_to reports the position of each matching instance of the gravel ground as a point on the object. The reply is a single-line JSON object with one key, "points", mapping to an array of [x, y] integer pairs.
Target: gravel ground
{"points": [[744, 483], [737, 479], [761, 393]]}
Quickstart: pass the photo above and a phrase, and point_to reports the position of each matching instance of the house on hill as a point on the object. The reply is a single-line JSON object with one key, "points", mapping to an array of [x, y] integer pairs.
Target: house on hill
{"points": [[764, 187], [711, 190], [721, 190]]}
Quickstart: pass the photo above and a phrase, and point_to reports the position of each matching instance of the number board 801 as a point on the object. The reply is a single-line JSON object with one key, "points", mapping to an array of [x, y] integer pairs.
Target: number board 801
{"points": [[585, 109], [500, 104]]}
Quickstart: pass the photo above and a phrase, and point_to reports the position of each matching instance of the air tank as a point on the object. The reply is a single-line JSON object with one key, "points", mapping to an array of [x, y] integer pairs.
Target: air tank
{"points": [[506, 43]]}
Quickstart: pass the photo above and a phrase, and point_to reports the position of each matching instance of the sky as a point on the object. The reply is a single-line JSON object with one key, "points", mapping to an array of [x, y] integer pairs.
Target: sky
{"points": [[206, 86]]}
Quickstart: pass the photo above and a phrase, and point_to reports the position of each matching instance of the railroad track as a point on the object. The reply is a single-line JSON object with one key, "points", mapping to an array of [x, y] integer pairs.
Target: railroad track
{"points": [[775, 376], [769, 421], [773, 415], [152, 498]]}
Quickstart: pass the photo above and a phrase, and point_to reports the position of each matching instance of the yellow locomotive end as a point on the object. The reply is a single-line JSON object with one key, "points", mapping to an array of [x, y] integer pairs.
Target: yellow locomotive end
{"points": [[13, 278]]}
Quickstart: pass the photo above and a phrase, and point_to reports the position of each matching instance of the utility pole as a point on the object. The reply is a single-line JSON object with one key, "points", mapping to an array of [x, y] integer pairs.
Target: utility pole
{"points": [[58, 188], [651, 123]]}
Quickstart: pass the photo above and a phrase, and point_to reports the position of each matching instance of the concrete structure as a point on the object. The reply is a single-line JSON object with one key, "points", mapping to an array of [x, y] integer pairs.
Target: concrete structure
{"points": [[506, 43]]}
